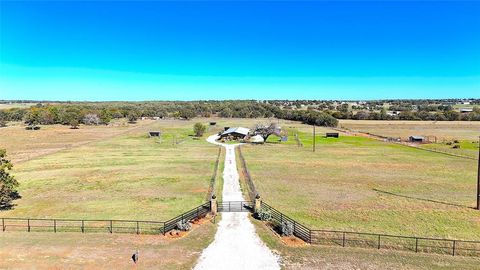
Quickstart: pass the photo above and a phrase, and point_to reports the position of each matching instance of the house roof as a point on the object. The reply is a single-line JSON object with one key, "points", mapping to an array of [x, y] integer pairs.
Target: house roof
{"points": [[239, 130], [417, 137]]}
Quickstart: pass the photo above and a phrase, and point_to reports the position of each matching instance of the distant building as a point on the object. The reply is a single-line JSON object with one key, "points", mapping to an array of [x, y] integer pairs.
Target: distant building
{"points": [[416, 139], [332, 135], [235, 132], [466, 110], [154, 133]]}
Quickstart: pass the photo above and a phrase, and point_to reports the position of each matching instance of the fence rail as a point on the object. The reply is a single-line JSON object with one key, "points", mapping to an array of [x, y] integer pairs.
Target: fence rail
{"points": [[252, 191], [100, 225], [211, 189], [452, 247]]}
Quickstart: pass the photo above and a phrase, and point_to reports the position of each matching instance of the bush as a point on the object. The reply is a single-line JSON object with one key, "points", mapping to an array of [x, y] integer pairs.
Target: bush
{"points": [[184, 225], [287, 228], [264, 215], [199, 129]]}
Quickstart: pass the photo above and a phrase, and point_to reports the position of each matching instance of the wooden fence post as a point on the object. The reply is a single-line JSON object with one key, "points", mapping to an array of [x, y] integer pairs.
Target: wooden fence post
{"points": [[343, 240], [416, 244], [111, 226], [164, 228], [138, 230], [379, 241], [28, 224], [55, 225], [83, 226]]}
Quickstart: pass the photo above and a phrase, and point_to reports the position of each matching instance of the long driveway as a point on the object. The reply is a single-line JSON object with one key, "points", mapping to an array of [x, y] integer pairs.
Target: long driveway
{"points": [[236, 244]]}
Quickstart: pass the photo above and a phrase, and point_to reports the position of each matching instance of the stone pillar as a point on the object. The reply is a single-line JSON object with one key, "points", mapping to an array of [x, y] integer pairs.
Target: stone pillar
{"points": [[213, 204], [258, 204]]}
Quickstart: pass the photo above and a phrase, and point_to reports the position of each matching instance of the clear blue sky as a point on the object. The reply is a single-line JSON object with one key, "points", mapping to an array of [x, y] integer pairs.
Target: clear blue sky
{"points": [[106, 50]]}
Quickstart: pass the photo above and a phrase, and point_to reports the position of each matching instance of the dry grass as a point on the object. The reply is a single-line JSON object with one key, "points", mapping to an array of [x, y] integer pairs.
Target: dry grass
{"points": [[21, 250], [444, 130], [23, 145]]}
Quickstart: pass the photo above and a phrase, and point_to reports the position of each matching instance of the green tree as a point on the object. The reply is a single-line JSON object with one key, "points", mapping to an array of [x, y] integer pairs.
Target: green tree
{"points": [[199, 129], [105, 116], [8, 184], [132, 117]]}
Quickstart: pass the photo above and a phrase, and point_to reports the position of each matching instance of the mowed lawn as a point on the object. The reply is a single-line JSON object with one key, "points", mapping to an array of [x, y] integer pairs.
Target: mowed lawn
{"points": [[129, 176], [361, 184]]}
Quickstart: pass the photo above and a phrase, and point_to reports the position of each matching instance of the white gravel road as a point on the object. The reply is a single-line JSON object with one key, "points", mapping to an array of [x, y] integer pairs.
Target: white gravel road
{"points": [[236, 244]]}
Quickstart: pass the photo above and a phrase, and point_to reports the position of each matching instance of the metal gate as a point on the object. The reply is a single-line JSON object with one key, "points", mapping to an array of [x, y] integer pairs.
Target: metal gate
{"points": [[235, 206]]}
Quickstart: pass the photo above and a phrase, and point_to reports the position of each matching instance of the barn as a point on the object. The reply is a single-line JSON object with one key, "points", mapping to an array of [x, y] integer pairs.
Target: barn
{"points": [[235, 133], [416, 139]]}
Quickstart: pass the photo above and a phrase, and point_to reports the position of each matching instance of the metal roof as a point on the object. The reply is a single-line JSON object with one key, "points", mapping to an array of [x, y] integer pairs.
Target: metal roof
{"points": [[239, 130]]}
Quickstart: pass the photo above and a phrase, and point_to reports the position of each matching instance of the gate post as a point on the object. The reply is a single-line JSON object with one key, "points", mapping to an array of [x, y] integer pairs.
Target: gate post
{"points": [[258, 204], [213, 205]]}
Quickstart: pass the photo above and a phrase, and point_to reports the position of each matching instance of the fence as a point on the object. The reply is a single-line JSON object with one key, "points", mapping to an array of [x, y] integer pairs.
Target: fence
{"points": [[379, 241], [110, 226], [252, 191], [235, 206], [211, 189]]}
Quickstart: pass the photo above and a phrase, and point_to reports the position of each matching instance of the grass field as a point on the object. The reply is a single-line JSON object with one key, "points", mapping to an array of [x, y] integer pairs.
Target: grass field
{"points": [[128, 176], [102, 251], [444, 130], [321, 257], [361, 184]]}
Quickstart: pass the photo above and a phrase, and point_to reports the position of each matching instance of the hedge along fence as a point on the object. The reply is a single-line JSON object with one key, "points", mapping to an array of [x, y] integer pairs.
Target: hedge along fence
{"points": [[378, 241], [252, 191], [211, 188], [110, 226]]}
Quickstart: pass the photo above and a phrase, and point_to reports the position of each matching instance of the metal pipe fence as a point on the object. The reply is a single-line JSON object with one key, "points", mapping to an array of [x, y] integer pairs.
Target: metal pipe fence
{"points": [[211, 189], [100, 225], [252, 191]]}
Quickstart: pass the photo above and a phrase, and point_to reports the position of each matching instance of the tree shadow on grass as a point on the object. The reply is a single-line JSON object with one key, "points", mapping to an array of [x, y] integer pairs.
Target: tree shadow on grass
{"points": [[423, 199]]}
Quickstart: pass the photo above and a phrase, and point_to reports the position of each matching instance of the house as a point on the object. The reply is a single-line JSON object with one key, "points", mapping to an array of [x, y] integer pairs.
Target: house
{"points": [[235, 133], [416, 139]]}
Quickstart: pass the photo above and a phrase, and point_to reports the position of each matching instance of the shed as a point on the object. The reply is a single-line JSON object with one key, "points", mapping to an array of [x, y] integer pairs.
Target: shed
{"points": [[466, 110], [257, 139], [154, 133], [213, 123], [332, 135], [416, 139], [235, 132]]}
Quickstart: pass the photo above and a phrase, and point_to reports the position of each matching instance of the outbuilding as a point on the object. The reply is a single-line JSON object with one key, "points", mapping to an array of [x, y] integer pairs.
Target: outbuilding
{"points": [[235, 133], [332, 135], [417, 139], [154, 133]]}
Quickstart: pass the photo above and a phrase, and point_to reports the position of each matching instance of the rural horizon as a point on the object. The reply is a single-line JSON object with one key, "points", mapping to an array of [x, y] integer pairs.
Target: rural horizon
{"points": [[242, 135]]}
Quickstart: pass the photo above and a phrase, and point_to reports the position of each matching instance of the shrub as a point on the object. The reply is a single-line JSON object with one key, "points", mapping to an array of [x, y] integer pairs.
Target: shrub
{"points": [[287, 228], [199, 129], [184, 225], [264, 215]]}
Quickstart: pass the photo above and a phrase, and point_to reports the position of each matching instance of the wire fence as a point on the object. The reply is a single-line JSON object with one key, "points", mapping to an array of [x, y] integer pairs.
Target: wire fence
{"points": [[99, 225], [252, 191]]}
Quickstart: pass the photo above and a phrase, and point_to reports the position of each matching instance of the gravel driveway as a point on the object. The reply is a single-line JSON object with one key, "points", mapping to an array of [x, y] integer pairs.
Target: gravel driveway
{"points": [[236, 244]]}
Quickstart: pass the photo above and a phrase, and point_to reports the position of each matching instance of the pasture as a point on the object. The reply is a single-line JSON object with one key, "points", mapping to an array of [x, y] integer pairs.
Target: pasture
{"points": [[122, 176], [444, 130], [360, 184]]}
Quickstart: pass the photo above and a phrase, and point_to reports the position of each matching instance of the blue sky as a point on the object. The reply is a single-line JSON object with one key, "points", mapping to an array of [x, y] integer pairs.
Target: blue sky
{"points": [[107, 50]]}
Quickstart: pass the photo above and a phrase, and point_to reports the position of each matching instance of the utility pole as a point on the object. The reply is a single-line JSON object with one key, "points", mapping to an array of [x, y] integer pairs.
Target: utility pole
{"points": [[314, 137], [478, 176]]}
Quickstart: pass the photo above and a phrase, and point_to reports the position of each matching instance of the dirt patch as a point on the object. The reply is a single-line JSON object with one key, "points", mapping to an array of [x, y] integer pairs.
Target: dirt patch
{"points": [[293, 241]]}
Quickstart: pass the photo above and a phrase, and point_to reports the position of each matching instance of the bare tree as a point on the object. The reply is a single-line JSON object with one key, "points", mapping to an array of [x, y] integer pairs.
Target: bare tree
{"points": [[91, 119], [266, 130]]}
